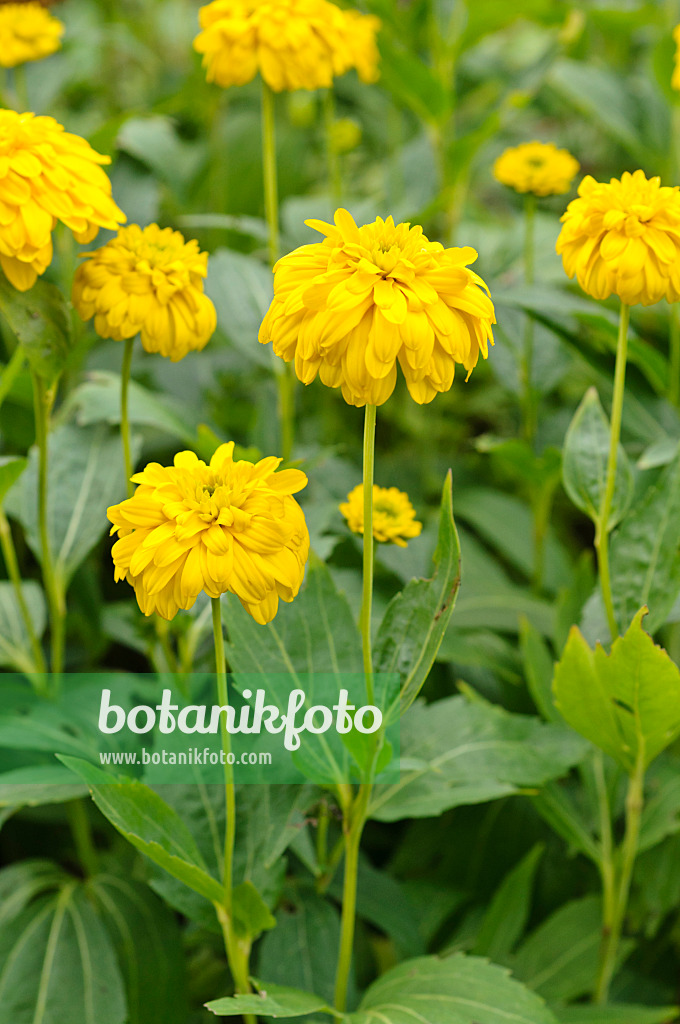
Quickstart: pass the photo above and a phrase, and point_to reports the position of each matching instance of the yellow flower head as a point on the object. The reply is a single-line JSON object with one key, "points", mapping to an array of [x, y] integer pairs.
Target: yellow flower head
{"points": [[537, 167], [675, 80], [46, 175], [361, 32], [624, 238], [225, 527], [147, 281], [27, 32], [294, 44], [394, 517], [349, 308]]}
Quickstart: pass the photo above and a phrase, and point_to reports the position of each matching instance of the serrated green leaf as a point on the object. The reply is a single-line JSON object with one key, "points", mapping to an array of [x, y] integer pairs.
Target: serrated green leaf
{"points": [[39, 319], [584, 465], [628, 702], [150, 825], [414, 624], [270, 1001]]}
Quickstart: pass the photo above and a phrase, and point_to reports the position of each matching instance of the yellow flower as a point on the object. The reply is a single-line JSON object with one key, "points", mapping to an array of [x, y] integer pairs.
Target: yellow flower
{"points": [[675, 80], [46, 175], [27, 32], [224, 527], [394, 517], [538, 167], [294, 44], [362, 30], [349, 308], [624, 238], [147, 281]]}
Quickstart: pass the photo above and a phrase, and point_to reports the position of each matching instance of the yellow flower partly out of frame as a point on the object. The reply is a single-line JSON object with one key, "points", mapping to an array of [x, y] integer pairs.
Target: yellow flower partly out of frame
{"points": [[361, 32], [147, 281], [623, 238], [27, 32], [394, 517], [224, 527], [675, 80], [46, 175], [351, 307], [294, 44], [537, 167]]}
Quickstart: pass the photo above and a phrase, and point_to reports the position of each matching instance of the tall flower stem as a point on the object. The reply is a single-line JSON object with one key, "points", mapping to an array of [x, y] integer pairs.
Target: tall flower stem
{"points": [[332, 155], [528, 398], [626, 862], [11, 564], [285, 378], [238, 950], [355, 809], [43, 400], [124, 414], [602, 527], [368, 548]]}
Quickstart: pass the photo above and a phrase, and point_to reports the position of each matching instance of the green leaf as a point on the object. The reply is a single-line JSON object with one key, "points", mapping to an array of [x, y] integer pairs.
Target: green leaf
{"points": [[454, 752], [457, 990], [559, 959], [241, 288], [616, 1014], [11, 468], [148, 945], [15, 646], [413, 83], [39, 319], [556, 806], [151, 825], [627, 703], [645, 552], [538, 669], [414, 624], [251, 913], [36, 786], [97, 400], [661, 813], [155, 142], [584, 466], [85, 476], [508, 913], [57, 964], [270, 1001]]}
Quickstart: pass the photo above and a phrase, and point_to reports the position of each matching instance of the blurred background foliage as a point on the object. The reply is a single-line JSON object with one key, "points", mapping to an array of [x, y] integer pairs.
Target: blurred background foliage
{"points": [[460, 81]]}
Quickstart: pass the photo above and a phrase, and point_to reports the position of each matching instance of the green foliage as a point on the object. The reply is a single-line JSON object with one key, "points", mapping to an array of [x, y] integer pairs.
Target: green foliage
{"points": [[270, 1001], [39, 320]]}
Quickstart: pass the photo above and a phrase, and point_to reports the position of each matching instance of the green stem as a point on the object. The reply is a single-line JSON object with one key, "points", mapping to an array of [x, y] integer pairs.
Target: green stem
{"points": [[11, 371], [332, 155], [674, 362], [628, 854], [354, 826], [602, 527], [124, 414], [82, 836], [271, 189], [528, 397], [368, 548], [238, 950], [43, 399], [12, 565], [286, 383], [606, 863]]}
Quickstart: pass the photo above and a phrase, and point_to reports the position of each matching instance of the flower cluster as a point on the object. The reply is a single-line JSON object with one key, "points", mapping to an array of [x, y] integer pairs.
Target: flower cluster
{"points": [[294, 44], [224, 527], [27, 32], [366, 298], [394, 517], [623, 238], [147, 281], [46, 175], [537, 167]]}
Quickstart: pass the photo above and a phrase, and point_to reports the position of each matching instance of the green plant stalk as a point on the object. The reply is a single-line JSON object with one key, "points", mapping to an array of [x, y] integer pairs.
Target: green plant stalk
{"points": [[602, 528], [627, 855], [674, 360], [43, 400], [124, 414], [12, 565], [353, 823], [238, 951], [332, 155], [528, 398], [82, 836], [368, 548], [606, 862]]}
